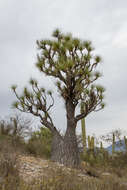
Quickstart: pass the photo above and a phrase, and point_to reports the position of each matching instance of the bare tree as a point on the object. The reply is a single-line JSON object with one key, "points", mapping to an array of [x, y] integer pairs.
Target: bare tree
{"points": [[16, 125]]}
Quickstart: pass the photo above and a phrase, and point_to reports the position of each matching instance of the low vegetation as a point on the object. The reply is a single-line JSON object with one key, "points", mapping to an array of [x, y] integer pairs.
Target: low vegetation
{"points": [[39, 143], [99, 170]]}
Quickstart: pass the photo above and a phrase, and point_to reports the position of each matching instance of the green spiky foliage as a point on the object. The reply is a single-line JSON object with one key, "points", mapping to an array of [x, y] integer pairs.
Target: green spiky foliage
{"points": [[113, 143], [73, 64], [35, 102], [83, 126]]}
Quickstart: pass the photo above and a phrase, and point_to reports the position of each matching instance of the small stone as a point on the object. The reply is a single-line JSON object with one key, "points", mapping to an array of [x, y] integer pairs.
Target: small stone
{"points": [[105, 174], [81, 175]]}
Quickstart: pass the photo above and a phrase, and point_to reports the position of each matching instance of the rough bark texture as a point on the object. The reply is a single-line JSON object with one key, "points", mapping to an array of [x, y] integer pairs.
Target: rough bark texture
{"points": [[65, 149], [71, 156], [57, 148]]}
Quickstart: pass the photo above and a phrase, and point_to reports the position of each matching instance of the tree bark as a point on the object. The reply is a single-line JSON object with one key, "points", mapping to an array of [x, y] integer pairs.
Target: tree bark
{"points": [[57, 148], [65, 149], [71, 150]]}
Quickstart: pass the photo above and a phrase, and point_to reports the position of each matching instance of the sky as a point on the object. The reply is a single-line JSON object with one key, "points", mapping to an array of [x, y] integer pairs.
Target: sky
{"points": [[101, 21]]}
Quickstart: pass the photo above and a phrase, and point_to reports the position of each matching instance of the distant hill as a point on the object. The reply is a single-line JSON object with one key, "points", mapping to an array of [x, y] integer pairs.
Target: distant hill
{"points": [[119, 147]]}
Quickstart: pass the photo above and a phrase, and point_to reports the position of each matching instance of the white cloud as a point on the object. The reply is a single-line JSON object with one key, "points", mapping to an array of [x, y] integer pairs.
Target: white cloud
{"points": [[120, 39]]}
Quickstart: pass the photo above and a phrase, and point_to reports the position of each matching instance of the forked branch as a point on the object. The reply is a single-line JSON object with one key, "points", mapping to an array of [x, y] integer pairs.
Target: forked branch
{"points": [[35, 102]]}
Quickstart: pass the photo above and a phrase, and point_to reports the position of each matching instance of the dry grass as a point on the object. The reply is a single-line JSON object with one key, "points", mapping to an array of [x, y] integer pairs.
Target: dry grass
{"points": [[63, 183], [60, 178], [111, 175]]}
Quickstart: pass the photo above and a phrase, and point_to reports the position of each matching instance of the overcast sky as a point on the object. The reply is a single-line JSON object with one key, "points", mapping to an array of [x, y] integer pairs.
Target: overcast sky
{"points": [[104, 22]]}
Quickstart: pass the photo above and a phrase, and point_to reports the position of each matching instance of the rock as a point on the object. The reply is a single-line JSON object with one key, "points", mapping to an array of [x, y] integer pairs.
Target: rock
{"points": [[31, 168], [81, 175], [124, 183], [105, 174]]}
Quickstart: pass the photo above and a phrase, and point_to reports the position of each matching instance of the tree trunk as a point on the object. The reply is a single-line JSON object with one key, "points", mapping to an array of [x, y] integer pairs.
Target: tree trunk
{"points": [[57, 148], [65, 149], [71, 150]]}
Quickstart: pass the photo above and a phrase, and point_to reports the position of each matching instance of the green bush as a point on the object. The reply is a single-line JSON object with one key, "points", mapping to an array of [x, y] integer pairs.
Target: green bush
{"points": [[118, 160], [96, 157], [12, 133], [40, 143]]}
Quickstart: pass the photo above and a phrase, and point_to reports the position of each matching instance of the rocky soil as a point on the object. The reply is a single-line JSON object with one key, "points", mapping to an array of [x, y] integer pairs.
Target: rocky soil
{"points": [[31, 168]]}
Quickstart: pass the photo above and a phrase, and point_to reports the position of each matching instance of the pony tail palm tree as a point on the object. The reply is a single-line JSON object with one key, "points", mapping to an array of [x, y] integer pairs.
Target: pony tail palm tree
{"points": [[72, 63]]}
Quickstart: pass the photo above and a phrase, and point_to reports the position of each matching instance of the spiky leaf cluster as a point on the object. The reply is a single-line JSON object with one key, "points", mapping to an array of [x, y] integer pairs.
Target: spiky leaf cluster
{"points": [[73, 63], [35, 101], [91, 100]]}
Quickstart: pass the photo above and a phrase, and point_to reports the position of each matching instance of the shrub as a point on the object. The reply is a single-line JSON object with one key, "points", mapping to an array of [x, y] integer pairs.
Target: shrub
{"points": [[63, 182], [96, 157], [40, 143]]}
